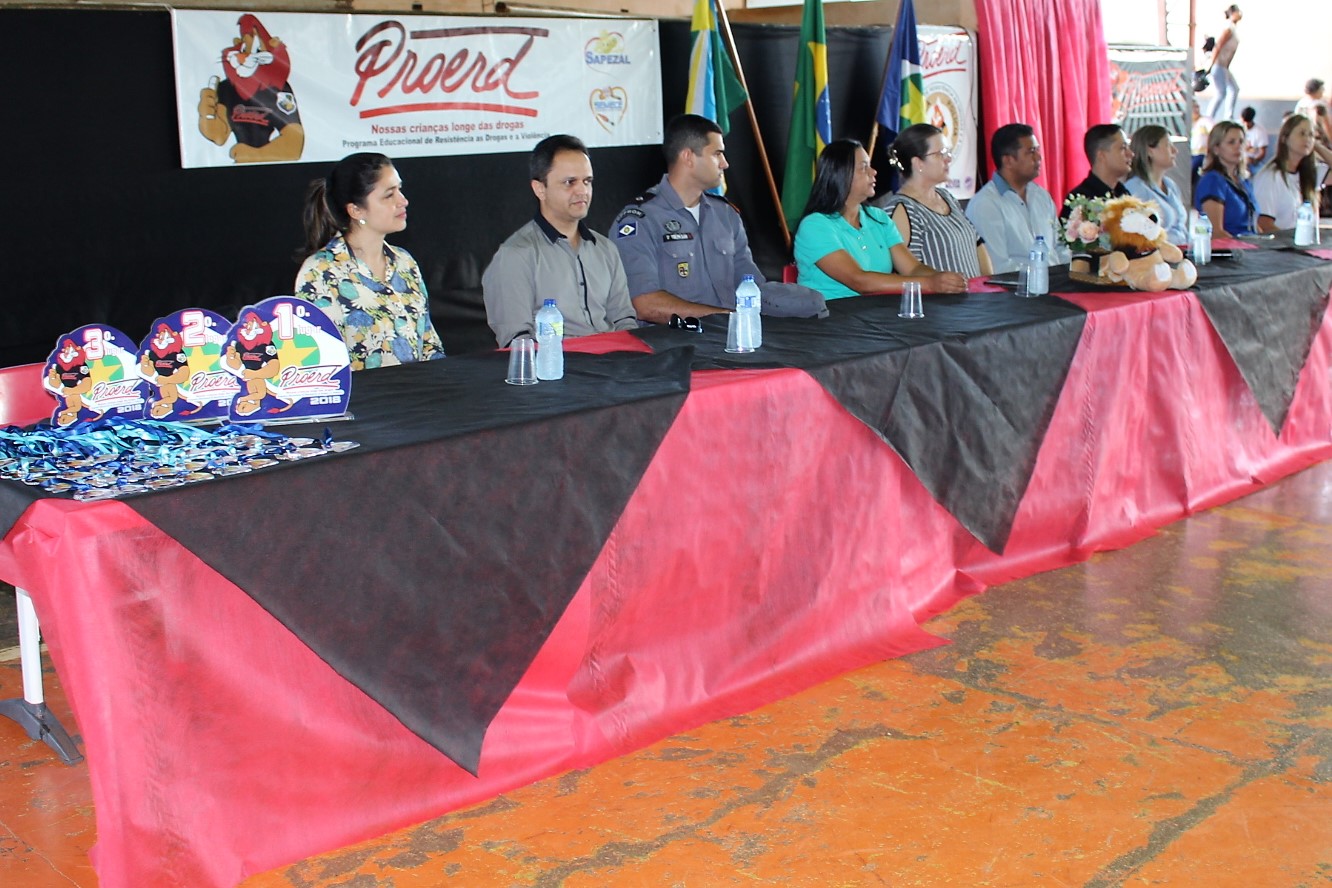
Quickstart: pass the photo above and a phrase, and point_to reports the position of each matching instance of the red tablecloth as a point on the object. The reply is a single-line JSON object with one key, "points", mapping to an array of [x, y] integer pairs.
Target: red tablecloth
{"points": [[220, 746]]}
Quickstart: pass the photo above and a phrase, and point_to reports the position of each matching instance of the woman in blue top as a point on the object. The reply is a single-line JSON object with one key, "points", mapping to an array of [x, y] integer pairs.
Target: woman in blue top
{"points": [[1223, 192], [843, 248], [1153, 155]]}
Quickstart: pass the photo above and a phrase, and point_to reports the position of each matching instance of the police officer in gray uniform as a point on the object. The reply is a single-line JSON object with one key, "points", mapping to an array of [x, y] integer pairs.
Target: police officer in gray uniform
{"points": [[684, 249]]}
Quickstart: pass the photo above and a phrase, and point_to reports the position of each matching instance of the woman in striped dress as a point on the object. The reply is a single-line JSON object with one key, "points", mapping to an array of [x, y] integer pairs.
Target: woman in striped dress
{"points": [[930, 219]]}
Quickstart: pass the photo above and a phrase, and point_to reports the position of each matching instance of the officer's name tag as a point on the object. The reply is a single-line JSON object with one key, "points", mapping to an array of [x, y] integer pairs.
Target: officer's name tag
{"points": [[677, 236]]}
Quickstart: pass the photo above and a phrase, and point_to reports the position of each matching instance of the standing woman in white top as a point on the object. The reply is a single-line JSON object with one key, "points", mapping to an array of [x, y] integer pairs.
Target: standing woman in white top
{"points": [[1293, 176], [1227, 90], [1153, 155]]}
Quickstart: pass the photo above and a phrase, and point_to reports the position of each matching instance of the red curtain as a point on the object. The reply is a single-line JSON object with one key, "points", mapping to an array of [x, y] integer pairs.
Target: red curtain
{"points": [[1043, 63]]}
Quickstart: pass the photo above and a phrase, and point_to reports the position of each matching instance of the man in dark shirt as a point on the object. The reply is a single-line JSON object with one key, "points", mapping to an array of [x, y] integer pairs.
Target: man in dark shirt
{"points": [[1107, 150]]}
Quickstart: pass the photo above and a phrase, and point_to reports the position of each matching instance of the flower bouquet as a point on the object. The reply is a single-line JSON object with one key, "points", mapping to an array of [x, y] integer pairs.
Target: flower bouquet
{"points": [[1082, 230], [1086, 237]]}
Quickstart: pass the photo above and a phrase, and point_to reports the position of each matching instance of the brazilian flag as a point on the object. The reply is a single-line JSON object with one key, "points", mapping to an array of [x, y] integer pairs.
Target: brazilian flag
{"points": [[811, 119]]}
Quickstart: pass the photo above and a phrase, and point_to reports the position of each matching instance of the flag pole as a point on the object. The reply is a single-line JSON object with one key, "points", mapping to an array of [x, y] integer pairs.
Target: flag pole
{"points": [[883, 84], [753, 121]]}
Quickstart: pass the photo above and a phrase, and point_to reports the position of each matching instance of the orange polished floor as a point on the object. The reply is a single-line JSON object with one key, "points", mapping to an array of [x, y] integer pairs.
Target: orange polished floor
{"points": [[1157, 716]]}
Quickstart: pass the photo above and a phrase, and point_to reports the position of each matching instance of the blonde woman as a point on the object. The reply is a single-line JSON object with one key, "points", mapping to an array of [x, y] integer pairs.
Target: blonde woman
{"points": [[1153, 155], [1223, 191]]}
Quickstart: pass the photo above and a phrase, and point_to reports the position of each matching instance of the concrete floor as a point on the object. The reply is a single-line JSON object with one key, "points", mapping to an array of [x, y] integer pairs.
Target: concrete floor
{"points": [[1157, 716]]}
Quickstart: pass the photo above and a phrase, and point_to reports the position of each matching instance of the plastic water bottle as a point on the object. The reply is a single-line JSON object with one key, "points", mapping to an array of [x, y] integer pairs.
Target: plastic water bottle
{"points": [[550, 341], [749, 305], [1202, 239], [744, 329], [1306, 225], [1038, 268]]}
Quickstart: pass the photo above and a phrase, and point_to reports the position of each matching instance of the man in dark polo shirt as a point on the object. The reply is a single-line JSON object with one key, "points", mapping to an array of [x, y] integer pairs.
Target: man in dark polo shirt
{"points": [[1108, 152]]}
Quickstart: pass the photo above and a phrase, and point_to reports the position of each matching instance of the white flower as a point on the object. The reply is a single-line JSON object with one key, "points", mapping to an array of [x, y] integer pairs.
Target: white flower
{"points": [[365, 301]]}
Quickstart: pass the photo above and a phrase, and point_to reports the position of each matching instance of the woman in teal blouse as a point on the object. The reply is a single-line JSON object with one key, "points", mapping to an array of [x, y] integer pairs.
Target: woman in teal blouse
{"points": [[844, 248]]}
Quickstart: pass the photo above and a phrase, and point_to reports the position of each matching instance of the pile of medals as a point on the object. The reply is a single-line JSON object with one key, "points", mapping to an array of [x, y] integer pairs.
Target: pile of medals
{"points": [[113, 457]]}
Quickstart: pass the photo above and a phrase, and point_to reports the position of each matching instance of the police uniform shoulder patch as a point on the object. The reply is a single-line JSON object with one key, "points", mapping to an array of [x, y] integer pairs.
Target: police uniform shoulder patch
{"points": [[624, 225], [723, 198]]}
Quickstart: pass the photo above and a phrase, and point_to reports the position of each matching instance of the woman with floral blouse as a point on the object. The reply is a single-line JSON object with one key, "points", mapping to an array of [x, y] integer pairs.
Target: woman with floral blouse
{"points": [[371, 289]]}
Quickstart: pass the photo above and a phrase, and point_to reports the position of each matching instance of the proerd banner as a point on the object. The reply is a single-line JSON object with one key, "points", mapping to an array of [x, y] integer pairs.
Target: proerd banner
{"points": [[287, 87]]}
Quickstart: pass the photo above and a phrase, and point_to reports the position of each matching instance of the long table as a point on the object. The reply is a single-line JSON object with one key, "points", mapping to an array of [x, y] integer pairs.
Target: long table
{"points": [[785, 526]]}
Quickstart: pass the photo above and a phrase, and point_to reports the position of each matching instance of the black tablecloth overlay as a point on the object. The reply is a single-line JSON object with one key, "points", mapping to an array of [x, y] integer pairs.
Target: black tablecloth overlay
{"points": [[429, 565], [963, 395], [1283, 239], [1060, 282], [14, 499], [1267, 306]]}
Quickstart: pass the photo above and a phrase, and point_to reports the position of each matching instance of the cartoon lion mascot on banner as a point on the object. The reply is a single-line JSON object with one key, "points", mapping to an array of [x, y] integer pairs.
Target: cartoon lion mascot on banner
{"points": [[254, 101]]}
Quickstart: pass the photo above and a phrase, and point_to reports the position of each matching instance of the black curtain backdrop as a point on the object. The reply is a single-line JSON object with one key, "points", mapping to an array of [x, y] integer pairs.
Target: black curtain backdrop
{"points": [[105, 227]]}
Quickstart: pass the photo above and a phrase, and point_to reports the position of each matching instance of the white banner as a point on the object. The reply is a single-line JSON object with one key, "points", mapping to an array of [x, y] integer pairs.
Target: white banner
{"points": [[287, 87], [948, 61]]}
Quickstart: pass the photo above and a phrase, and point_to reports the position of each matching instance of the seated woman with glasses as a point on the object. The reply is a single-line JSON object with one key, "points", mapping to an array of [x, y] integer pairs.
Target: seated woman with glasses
{"points": [[928, 217], [845, 248]]}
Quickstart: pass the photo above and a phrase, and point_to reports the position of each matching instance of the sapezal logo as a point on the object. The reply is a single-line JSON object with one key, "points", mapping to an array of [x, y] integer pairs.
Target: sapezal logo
{"points": [[606, 49]]}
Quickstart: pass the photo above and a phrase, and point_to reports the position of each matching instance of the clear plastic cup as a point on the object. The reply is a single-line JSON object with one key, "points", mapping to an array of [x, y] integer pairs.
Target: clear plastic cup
{"points": [[1022, 289], [522, 361], [912, 306]]}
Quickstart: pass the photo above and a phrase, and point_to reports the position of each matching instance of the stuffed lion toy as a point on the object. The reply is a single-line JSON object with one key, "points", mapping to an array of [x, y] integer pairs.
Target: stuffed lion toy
{"points": [[1142, 256]]}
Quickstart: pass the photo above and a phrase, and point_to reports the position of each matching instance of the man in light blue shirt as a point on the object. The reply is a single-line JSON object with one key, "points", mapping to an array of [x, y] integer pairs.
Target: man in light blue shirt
{"points": [[1012, 210]]}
